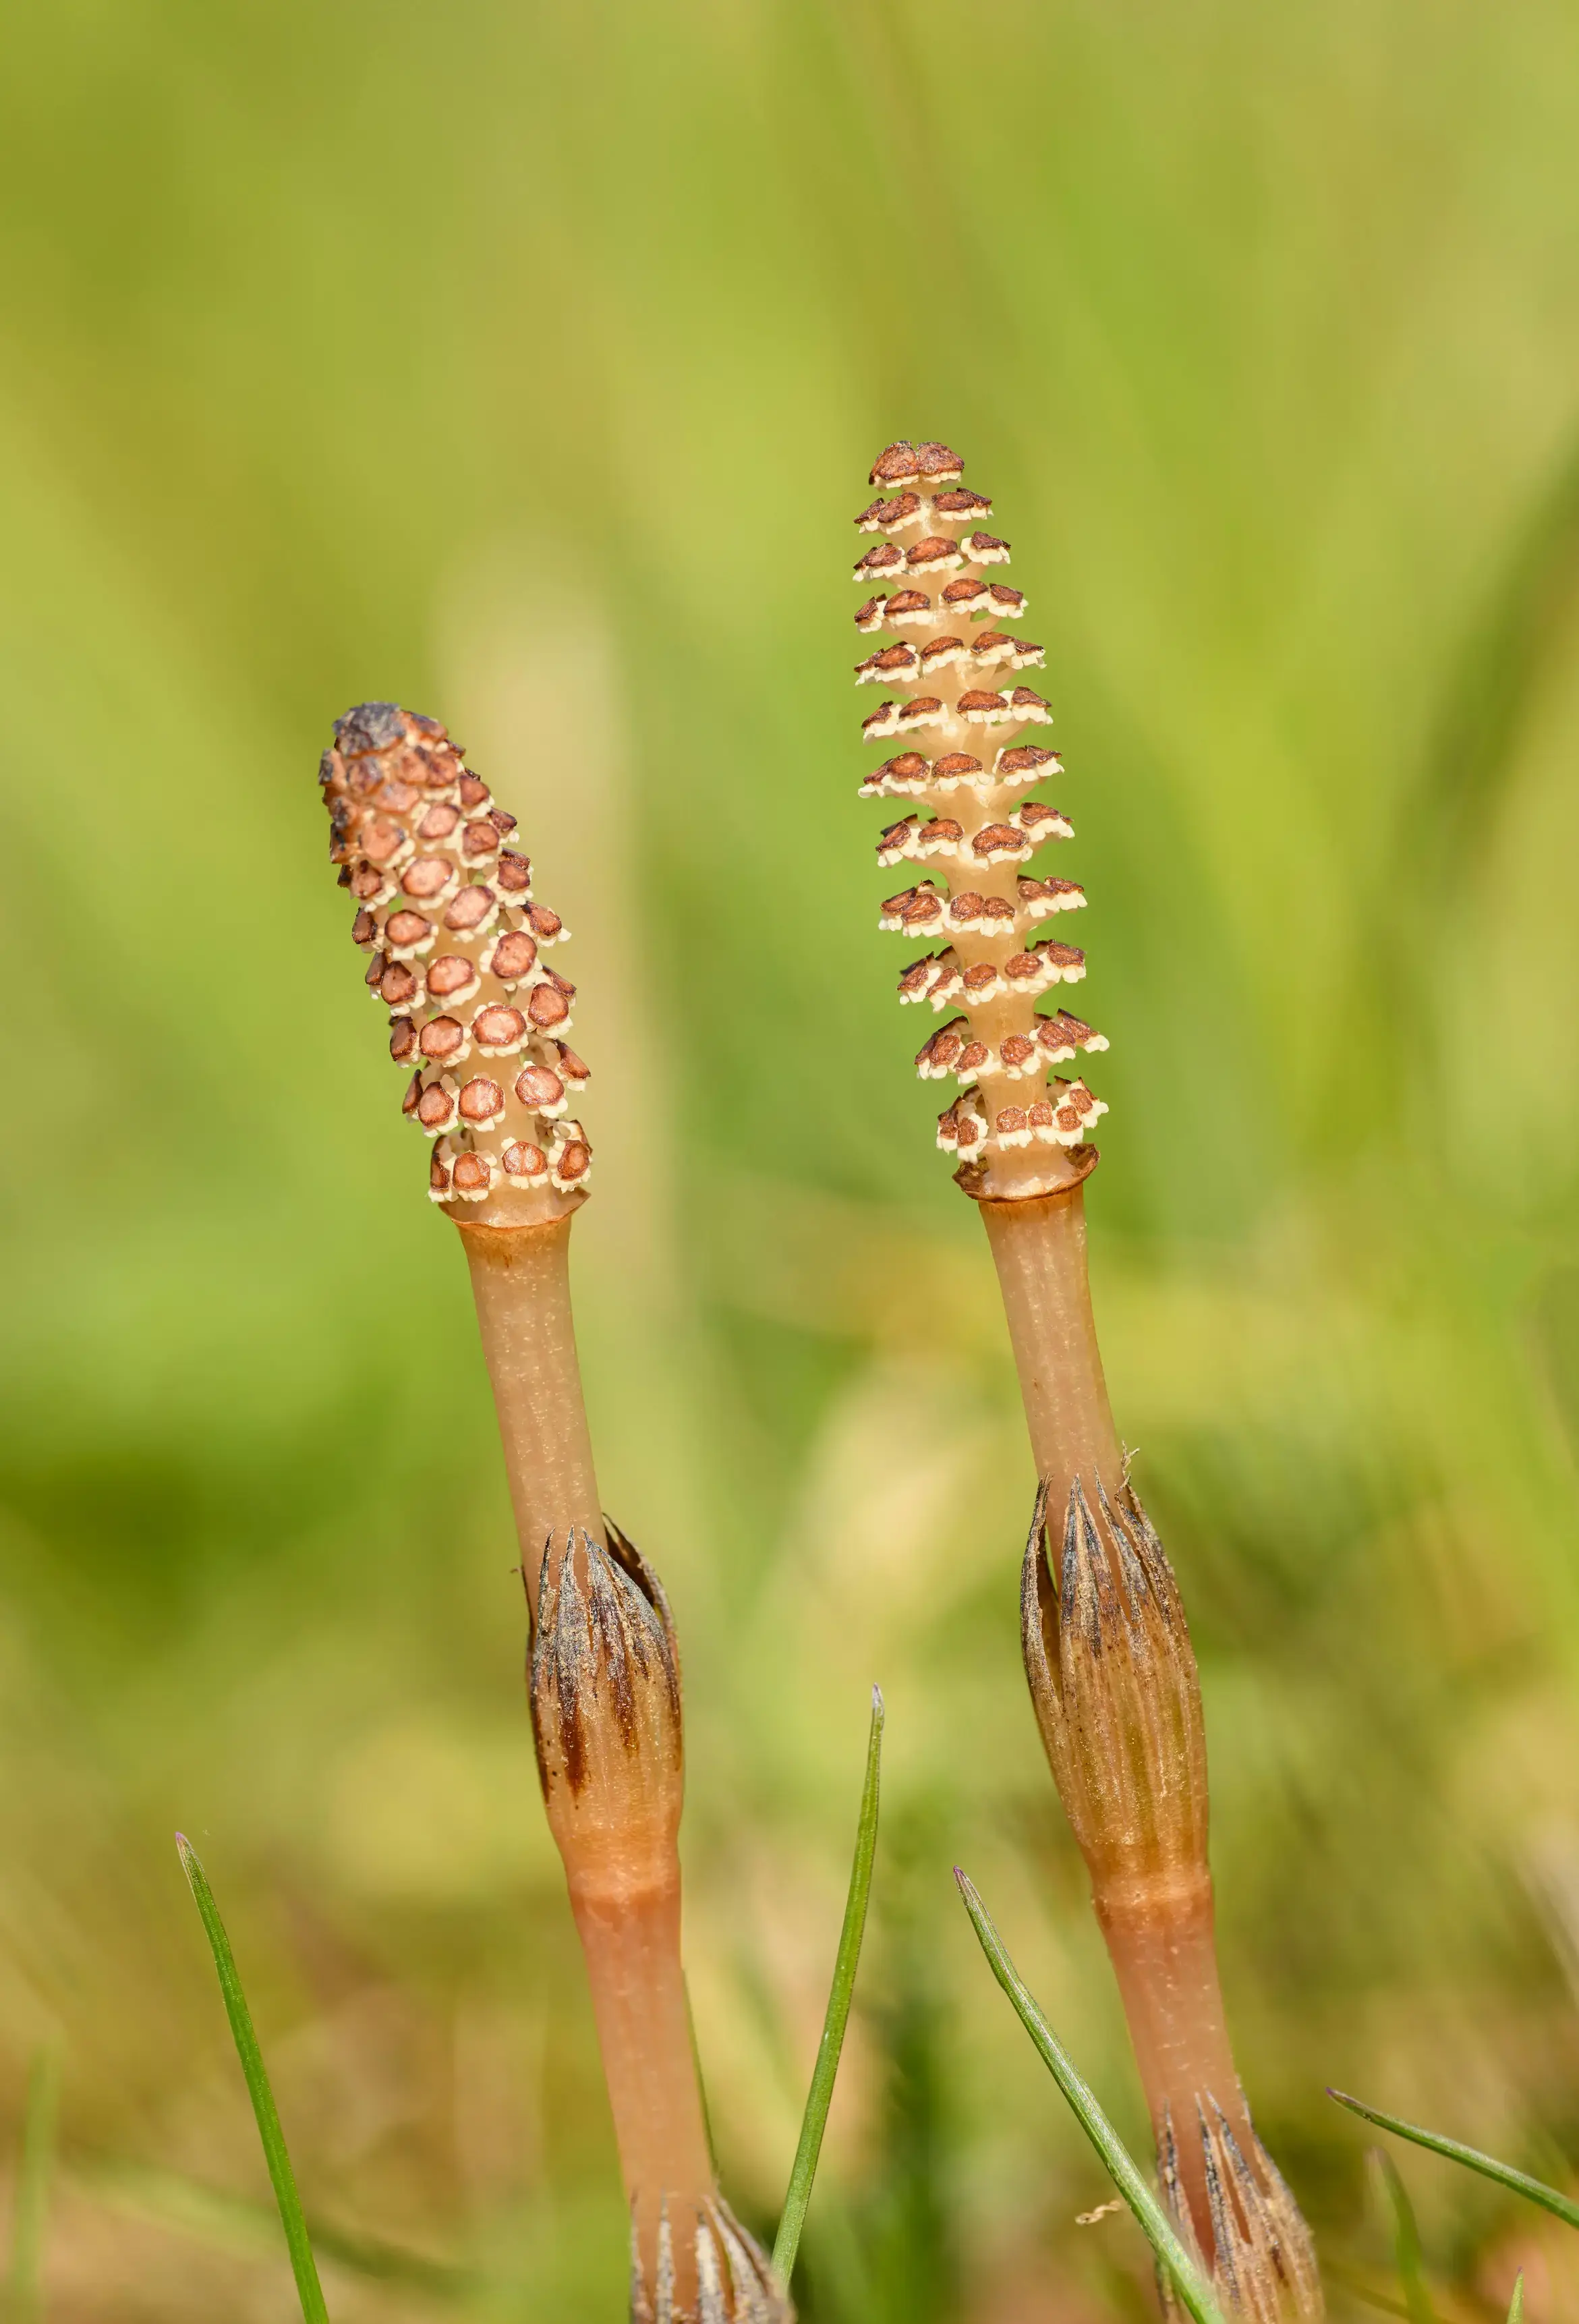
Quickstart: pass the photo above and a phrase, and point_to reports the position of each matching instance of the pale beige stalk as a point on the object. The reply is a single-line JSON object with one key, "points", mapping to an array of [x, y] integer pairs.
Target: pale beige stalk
{"points": [[520, 1282], [1039, 1248]]}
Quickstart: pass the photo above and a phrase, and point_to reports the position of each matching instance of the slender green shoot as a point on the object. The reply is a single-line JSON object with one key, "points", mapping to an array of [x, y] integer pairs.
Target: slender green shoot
{"points": [[819, 2098], [31, 2204], [1195, 2294], [1535, 2191], [1516, 2305], [1405, 2241], [303, 2266]]}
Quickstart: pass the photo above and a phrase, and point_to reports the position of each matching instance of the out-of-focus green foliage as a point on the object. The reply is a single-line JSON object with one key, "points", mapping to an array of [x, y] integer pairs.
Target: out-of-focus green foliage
{"points": [[524, 363]]}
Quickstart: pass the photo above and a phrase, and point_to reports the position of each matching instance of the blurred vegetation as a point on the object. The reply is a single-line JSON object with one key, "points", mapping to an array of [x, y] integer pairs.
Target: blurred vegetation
{"points": [[524, 363]]}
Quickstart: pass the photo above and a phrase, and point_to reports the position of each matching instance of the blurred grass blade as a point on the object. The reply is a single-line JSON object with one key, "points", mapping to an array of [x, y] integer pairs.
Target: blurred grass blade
{"points": [[1562, 2206], [1194, 2293], [1405, 2241], [234, 2223], [1516, 2305], [309, 2289], [29, 2206], [825, 2071]]}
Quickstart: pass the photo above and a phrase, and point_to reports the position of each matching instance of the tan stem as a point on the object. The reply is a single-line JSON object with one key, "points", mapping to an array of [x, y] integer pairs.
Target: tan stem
{"points": [[1039, 1247], [632, 1944], [1164, 1954], [521, 1281]]}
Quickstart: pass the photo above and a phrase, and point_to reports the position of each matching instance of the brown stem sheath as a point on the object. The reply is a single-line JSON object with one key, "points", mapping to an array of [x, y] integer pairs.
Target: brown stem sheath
{"points": [[521, 1281]]}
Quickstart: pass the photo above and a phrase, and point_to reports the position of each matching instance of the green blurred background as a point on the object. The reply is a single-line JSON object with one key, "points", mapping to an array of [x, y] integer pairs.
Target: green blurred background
{"points": [[525, 363]]}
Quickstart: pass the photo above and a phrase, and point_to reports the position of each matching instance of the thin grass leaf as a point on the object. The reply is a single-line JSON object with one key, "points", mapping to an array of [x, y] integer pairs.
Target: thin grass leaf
{"points": [[1409, 2258], [824, 2074], [1195, 2294], [1516, 2305], [303, 2266], [1561, 2207], [233, 2223], [31, 2204]]}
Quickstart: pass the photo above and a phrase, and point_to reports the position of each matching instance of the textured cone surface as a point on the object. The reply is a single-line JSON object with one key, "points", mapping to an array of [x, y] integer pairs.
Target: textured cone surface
{"points": [[457, 956], [966, 758]]}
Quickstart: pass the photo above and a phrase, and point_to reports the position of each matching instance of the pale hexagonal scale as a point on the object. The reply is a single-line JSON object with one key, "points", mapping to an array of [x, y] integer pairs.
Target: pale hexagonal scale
{"points": [[541, 1089], [512, 958], [452, 979], [481, 1103], [500, 1030]]}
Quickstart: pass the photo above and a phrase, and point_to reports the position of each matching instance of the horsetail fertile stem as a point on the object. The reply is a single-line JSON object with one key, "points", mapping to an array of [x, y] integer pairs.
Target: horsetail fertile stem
{"points": [[1106, 1646], [457, 945]]}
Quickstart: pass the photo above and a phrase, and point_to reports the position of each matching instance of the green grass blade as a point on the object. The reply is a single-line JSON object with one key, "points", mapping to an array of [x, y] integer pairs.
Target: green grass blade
{"points": [[234, 2223], [1516, 2305], [819, 2098], [1195, 2294], [29, 2209], [1405, 2241], [1534, 2189], [303, 2266]]}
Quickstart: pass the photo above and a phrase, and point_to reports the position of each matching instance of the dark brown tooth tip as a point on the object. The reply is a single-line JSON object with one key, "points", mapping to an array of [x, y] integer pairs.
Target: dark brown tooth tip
{"points": [[574, 1069], [439, 823], [887, 557], [474, 792], [512, 874], [364, 929], [871, 615], [545, 926]]}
